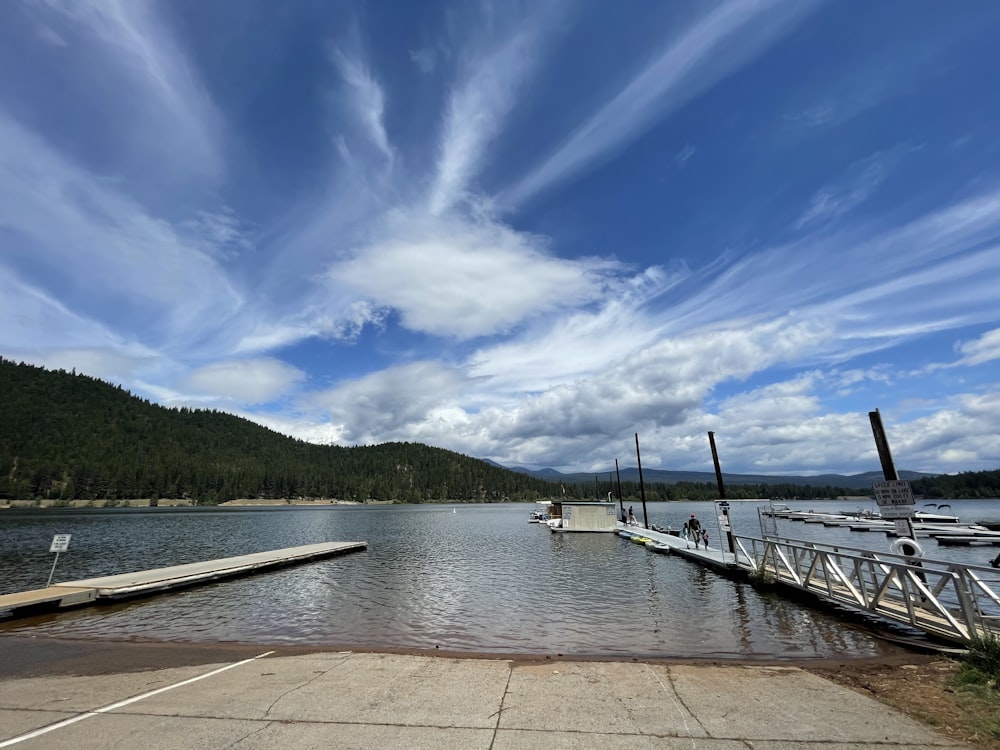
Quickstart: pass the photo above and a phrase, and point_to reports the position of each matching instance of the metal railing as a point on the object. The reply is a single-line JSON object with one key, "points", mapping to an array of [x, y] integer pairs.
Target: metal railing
{"points": [[954, 602]]}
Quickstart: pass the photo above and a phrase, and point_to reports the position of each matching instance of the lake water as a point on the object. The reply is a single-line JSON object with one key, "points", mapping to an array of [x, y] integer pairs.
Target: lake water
{"points": [[480, 579]]}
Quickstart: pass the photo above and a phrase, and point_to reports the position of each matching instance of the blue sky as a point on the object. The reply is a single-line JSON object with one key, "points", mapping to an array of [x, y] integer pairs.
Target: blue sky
{"points": [[521, 231]]}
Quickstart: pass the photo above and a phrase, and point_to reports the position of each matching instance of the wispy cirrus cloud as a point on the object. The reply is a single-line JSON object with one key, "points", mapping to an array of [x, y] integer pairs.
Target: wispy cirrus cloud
{"points": [[31, 315], [681, 157], [112, 285], [367, 99], [220, 234], [708, 50], [149, 96], [833, 201], [265, 330], [577, 343], [425, 58], [857, 86], [873, 278], [48, 35], [986, 348], [438, 258], [479, 103], [104, 251], [40, 329]]}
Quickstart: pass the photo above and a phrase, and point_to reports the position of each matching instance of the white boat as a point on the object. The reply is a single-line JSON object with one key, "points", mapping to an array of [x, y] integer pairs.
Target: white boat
{"points": [[655, 546], [926, 516], [868, 518], [540, 515]]}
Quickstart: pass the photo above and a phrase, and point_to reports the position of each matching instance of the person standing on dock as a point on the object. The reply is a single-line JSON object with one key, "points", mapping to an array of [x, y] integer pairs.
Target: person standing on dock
{"points": [[694, 529], [631, 516]]}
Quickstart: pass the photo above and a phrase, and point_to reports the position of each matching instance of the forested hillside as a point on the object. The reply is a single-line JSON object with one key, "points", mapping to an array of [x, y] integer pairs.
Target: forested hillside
{"points": [[973, 484], [66, 436]]}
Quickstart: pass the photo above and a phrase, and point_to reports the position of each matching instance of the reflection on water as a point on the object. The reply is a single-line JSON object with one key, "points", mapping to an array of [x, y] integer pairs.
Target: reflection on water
{"points": [[481, 579]]}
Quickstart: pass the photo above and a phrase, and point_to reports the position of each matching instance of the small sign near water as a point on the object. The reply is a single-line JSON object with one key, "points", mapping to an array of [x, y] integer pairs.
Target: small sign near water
{"points": [[894, 498], [60, 542]]}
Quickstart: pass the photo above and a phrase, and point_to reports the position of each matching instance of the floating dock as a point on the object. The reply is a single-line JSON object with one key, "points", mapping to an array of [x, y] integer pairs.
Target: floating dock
{"points": [[146, 582], [711, 556], [949, 533], [978, 539]]}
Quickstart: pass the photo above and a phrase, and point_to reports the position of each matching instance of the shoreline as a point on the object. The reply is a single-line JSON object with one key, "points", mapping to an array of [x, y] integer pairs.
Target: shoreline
{"points": [[317, 697], [179, 503], [918, 685], [95, 657]]}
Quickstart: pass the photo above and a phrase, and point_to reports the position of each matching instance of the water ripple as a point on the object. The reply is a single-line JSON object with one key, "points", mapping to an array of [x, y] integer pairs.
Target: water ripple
{"points": [[479, 580]]}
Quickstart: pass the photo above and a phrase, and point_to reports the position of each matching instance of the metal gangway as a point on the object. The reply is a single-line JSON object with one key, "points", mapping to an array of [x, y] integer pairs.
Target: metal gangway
{"points": [[950, 601]]}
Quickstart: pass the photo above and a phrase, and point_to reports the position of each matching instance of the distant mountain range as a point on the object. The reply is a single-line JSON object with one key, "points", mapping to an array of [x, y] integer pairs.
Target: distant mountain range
{"points": [[655, 476]]}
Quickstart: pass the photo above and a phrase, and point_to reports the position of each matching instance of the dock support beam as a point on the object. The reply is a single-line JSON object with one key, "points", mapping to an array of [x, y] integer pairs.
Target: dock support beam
{"points": [[885, 457], [722, 493], [642, 489]]}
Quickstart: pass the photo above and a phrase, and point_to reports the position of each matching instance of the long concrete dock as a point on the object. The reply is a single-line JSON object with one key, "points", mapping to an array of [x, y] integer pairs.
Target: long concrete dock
{"points": [[145, 582]]}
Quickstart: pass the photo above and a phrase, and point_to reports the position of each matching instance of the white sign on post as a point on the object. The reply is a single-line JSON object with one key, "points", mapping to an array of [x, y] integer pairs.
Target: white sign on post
{"points": [[894, 499], [60, 542]]}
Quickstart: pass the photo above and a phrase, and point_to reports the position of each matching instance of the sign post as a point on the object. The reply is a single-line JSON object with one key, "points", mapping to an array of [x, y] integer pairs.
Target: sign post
{"points": [[893, 496], [60, 543]]}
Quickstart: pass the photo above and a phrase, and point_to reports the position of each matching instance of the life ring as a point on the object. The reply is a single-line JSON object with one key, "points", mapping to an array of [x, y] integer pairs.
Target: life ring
{"points": [[906, 547]]}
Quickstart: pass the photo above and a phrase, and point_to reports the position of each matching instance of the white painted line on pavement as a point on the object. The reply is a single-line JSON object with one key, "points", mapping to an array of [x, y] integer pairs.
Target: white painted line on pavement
{"points": [[126, 702]]}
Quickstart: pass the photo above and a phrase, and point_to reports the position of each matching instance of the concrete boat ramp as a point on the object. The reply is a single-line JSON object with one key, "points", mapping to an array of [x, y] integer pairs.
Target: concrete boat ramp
{"points": [[146, 582], [265, 700]]}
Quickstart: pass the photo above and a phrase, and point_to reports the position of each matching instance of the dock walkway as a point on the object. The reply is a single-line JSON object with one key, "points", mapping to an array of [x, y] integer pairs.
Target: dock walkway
{"points": [[145, 582], [951, 602], [711, 556]]}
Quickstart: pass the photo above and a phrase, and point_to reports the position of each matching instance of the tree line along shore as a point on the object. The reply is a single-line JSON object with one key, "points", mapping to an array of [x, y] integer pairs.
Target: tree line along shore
{"points": [[68, 439]]}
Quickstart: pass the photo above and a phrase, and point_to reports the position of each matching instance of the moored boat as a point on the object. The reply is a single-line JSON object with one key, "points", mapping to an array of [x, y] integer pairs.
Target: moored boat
{"points": [[660, 547], [923, 516], [540, 514]]}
